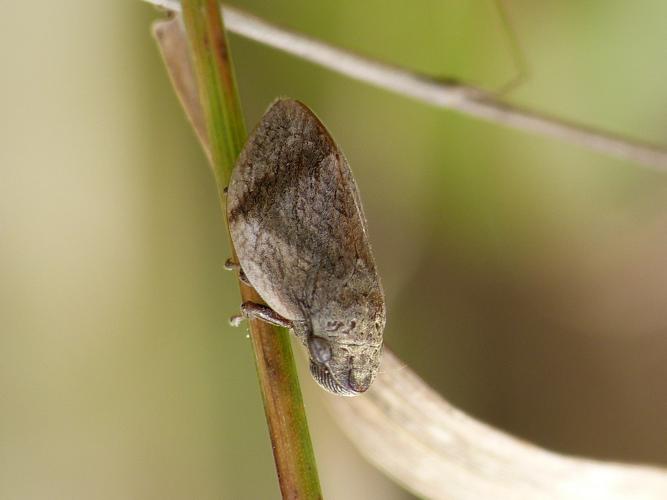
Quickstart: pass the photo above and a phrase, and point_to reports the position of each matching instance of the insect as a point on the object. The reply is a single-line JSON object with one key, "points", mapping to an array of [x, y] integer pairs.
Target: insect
{"points": [[300, 234]]}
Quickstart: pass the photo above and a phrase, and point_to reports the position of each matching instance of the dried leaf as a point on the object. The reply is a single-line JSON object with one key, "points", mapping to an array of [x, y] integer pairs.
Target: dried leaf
{"points": [[435, 450]]}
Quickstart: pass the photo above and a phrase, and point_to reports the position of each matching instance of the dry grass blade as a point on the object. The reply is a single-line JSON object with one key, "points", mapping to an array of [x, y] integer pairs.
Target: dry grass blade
{"points": [[457, 96], [170, 36], [436, 451]]}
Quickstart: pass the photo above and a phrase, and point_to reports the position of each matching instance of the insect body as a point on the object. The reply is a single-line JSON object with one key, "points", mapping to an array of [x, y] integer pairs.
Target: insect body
{"points": [[300, 234]]}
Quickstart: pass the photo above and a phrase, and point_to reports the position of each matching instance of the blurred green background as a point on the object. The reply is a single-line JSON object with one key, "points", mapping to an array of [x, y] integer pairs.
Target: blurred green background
{"points": [[526, 279]]}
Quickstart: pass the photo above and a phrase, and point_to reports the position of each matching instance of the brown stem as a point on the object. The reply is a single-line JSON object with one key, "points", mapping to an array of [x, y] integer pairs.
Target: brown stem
{"points": [[216, 116]]}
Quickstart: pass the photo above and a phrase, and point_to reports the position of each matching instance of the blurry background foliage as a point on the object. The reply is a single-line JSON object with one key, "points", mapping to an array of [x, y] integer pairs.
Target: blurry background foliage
{"points": [[526, 279]]}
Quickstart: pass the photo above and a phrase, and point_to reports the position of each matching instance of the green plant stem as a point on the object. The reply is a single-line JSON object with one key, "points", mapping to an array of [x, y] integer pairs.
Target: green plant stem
{"points": [[283, 403]]}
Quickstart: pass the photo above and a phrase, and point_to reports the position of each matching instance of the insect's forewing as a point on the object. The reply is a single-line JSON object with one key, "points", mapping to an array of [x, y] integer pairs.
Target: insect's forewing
{"points": [[295, 217]]}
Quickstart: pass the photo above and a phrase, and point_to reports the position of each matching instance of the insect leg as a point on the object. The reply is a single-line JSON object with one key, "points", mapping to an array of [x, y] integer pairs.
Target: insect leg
{"points": [[230, 265], [251, 310]]}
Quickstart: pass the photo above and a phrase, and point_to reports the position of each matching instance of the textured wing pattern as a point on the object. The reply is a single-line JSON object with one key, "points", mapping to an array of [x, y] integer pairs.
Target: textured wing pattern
{"points": [[295, 216]]}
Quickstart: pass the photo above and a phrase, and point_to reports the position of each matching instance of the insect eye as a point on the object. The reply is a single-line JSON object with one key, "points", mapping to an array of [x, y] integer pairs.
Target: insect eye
{"points": [[319, 348]]}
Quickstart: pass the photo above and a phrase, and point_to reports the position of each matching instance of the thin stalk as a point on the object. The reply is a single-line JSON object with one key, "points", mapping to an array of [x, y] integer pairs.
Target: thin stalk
{"points": [[283, 403], [442, 93]]}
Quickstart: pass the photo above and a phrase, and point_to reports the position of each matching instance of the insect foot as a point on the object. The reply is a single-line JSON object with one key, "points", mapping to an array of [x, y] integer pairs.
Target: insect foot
{"points": [[236, 320], [230, 265]]}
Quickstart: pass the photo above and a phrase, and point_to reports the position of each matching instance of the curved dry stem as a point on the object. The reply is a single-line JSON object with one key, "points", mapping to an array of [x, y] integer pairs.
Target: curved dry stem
{"points": [[448, 94], [435, 450]]}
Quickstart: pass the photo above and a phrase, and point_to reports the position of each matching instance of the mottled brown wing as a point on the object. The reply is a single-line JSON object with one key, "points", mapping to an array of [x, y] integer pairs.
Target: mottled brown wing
{"points": [[295, 216]]}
